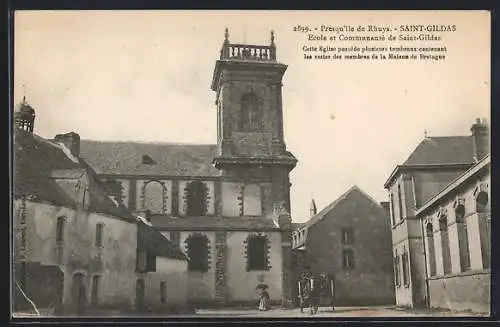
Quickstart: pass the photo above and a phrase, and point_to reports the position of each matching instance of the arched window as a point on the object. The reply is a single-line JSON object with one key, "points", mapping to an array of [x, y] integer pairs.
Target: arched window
{"points": [[197, 251], [257, 253], [406, 269], [445, 243], [252, 205], [251, 112], [482, 202], [429, 232], [154, 198], [196, 198], [463, 242]]}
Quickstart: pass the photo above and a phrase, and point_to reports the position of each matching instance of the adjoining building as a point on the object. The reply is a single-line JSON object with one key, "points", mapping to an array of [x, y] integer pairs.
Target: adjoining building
{"points": [[439, 184], [227, 205], [350, 239], [75, 248]]}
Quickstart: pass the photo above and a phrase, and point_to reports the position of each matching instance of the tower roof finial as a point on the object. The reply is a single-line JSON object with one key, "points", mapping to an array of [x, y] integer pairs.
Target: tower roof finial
{"points": [[272, 38], [226, 35], [24, 93]]}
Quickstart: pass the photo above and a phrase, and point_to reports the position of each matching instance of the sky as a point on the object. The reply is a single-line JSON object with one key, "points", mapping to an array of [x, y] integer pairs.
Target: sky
{"points": [[145, 76]]}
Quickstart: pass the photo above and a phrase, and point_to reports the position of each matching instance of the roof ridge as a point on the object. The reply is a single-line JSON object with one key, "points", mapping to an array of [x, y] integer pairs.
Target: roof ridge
{"points": [[147, 142]]}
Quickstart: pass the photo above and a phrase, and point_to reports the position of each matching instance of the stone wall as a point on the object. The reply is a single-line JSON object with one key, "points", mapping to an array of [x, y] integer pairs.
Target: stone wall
{"points": [[465, 291], [371, 279], [174, 273]]}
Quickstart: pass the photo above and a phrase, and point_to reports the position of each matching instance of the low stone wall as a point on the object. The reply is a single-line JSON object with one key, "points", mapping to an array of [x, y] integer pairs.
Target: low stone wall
{"points": [[465, 291]]}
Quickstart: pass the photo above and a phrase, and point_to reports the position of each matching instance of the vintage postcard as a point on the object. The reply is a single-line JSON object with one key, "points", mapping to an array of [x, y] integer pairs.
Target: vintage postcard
{"points": [[251, 164]]}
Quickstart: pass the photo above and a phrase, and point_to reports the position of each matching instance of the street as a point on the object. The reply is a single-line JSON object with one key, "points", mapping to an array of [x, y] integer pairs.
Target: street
{"points": [[327, 312]]}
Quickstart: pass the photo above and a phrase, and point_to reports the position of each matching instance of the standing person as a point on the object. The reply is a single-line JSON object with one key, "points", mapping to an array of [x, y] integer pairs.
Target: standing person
{"points": [[315, 295], [264, 300]]}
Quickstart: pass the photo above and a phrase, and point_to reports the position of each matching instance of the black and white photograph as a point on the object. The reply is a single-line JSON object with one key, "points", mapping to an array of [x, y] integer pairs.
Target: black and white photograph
{"points": [[243, 163]]}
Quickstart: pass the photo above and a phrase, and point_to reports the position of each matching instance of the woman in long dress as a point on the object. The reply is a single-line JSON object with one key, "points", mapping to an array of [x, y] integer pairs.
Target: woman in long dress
{"points": [[264, 302]]}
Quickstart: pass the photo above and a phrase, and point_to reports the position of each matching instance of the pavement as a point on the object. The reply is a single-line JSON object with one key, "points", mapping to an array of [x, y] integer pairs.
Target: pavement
{"points": [[382, 312], [276, 312]]}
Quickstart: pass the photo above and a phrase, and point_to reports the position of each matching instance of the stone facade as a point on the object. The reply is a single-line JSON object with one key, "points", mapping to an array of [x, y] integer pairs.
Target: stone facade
{"points": [[322, 243], [114, 261], [431, 251], [458, 242]]}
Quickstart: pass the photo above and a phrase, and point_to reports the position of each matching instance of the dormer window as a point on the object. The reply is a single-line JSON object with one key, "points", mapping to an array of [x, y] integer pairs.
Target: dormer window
{"points": [[147, 160]]}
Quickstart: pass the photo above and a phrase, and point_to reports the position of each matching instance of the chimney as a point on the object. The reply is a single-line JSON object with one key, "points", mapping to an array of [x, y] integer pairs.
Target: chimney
{"points": [[71, 141], [386, 206], [480, 139]]}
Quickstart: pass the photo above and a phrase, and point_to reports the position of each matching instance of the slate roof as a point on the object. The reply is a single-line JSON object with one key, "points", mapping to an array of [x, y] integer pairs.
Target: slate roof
{"points": [[152, 241], [322, 214], [170, 159], [34, 160], [163, 222], [442, 150]]}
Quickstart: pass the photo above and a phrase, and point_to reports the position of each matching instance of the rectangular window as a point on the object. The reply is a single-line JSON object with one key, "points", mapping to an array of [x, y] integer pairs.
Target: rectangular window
{"points": [[163, 292], [391, 197], [400, 203], [397, 276], [98, 234], [348, 259], [60, 229], [95, 289], [347, 236], [257, 253], [406, 277]]}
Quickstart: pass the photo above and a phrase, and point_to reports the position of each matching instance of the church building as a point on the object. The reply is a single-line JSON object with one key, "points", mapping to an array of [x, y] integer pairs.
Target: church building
{"points": [[226, 205]]}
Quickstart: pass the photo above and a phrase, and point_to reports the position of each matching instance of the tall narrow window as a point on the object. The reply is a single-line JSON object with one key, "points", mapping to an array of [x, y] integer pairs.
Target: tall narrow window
{"points": [[197, 248], [163, 292], [391, 199], [348, 259], [251, 112], [445, 243], [257, 253], [397, 275], [429, 233], [400, 203], [463, 242], [406, 271], [95, 289], [98, 234], [60, 229], [347, 236], [196, 198], [483, 209]]}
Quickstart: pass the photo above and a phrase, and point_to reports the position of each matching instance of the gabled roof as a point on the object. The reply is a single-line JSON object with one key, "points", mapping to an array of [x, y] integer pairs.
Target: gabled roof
{"points": [[169, 159], [323, 213], [438, 152], [152, 241], [163, 222], [442, 150], [478, 168], [35, 159]]}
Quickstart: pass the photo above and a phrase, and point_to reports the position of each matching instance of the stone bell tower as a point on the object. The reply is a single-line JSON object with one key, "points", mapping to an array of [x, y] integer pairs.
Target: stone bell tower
{"points": [[251, 146], [247, 80]]}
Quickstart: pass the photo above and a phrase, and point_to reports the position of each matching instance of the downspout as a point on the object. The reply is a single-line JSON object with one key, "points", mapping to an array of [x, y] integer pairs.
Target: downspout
{"points": [[427, 298]]}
